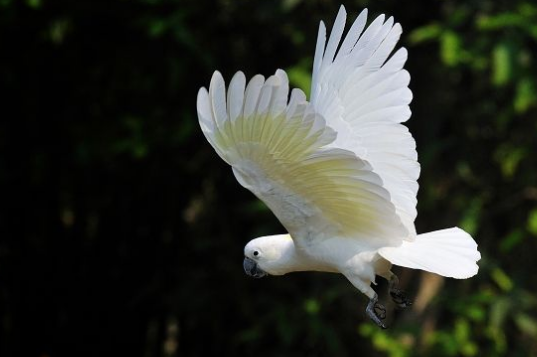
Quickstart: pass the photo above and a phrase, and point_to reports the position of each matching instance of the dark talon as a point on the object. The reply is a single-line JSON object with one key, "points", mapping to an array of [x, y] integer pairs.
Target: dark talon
{"points": [[380, 311], [400, 298], [376, 312]]}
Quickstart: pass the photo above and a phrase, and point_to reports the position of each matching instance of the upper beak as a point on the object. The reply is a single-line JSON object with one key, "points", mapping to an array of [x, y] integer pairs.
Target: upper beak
{"points": [[251, 268]]}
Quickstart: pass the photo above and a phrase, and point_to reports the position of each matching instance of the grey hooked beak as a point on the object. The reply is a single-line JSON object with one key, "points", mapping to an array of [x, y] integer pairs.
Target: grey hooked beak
{"points": [[251, 268]]}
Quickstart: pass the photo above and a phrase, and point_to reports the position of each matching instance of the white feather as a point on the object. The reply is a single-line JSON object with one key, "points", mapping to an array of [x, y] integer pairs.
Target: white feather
{"points": [[335, 36], [281, 92], [318, 59], [367, 44], [340, 173], [217, 96], [353, 34], [449, 252], [386, 48], [204, 109], [265, 96], [297, 97], [252, 94], [363, 95], [235, 96]]}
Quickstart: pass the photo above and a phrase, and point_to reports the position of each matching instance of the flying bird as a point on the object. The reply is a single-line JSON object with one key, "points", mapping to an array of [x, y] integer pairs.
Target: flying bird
{"points": [[339, 171]]}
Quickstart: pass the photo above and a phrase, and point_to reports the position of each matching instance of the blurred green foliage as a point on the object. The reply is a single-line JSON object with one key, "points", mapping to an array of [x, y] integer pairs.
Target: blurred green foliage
{"points": [[121, 230]]}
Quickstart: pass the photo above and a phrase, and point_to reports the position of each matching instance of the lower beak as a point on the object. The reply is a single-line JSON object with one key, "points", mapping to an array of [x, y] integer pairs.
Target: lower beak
{"points": [[251, 268]]}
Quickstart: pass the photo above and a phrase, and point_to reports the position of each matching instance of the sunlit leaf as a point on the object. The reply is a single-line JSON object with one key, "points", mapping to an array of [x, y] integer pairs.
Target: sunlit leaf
{"points": [[450, 48], [526, 95], [526, 324], [502, 69], [499, 21], [425, 33], [509, 158], [498, 312], [532, 222], [469, 349], [476, 313], [502, 279], [300, 76], [462, 330], [471, 216], [512, 240]]}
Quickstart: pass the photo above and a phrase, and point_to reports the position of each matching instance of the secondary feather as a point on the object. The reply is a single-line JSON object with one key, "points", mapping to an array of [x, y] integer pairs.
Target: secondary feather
{"points": [[279, 150]]}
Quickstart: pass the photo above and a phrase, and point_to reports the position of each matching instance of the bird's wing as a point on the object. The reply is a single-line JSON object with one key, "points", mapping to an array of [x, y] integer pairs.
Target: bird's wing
{"points": [[364, 96], [278, 150]]}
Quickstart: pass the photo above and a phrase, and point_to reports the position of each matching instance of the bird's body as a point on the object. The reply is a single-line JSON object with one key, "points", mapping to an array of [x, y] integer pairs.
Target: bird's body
{"points": [[340, 171]]}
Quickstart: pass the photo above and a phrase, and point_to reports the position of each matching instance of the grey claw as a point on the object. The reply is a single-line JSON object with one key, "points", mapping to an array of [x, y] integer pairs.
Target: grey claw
{"points": [[376, 312], [400, 298], [380, 311]]}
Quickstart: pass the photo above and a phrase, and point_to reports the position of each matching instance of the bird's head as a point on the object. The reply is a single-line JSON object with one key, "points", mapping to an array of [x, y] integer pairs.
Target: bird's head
{"points": [[270, 255]]}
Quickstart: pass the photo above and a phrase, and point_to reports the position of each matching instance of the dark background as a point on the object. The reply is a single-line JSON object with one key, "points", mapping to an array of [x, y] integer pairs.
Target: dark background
{"points": [[121, 231]]}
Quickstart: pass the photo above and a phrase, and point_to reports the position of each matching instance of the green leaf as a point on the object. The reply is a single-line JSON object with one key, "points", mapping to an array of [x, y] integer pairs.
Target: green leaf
{"points": [[58, 30], [532, 222], [498, 312], [299, 76], [526, 324], [462, 330], [526, 95], [425, 33], [157, 27], [450, 48], [476, 312], [472, 216], [509, 158], [502, 64], [498, 22], [512, 239], [312, 306], [502, 279], [34, 4]]}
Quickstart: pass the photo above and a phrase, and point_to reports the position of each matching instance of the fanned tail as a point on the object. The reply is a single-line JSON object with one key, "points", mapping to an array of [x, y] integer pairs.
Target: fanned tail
{"points": [[449, 252]]}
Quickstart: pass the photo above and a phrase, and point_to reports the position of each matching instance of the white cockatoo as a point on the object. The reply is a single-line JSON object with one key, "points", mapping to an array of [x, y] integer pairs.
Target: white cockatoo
{"points": [[339, 171]]}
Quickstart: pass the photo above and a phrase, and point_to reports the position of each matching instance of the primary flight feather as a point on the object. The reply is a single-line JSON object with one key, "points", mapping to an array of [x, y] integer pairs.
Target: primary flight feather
{"points": [[339, 171]]}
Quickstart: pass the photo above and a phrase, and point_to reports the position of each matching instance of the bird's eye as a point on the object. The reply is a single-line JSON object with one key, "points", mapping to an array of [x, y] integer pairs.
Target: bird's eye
{"points": [[256, 253]]}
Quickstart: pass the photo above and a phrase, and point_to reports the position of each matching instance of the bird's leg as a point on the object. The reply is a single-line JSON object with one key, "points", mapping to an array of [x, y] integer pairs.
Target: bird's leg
{"points": [[376, 311], [399, 297]]}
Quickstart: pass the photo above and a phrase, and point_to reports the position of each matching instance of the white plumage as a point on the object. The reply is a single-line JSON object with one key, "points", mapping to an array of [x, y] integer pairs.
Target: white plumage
{"points": [[340, 171]]}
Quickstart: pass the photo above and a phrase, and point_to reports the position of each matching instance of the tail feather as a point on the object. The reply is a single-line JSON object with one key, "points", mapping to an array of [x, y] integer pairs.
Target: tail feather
{"points": [[449, 252]]}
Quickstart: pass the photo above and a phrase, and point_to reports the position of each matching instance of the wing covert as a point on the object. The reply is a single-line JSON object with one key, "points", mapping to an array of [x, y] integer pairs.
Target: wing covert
{"points": [[363, 94], [279, 150]]}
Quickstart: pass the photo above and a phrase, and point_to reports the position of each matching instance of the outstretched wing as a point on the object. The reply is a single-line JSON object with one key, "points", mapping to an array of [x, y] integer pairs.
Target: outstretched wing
{"points": [[278, 150], [364, 97]]}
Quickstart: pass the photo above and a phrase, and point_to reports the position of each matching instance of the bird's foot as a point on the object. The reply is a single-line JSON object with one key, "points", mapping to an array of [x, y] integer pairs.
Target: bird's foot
{"points": [[400, 298], [376, 312]]}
